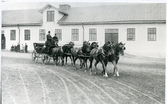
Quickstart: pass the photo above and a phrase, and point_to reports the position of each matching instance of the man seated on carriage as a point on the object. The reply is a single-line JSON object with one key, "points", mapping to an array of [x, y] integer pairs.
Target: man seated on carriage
{"points": [[48, 42], [56, 40]]}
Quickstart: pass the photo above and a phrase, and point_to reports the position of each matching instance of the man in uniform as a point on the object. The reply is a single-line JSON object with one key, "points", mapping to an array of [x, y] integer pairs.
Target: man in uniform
{"points": [[48, 42], [56, 40]]}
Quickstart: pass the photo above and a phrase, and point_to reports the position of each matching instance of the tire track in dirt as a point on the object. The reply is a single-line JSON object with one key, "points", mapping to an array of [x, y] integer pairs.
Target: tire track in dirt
{"points": [[28, 99], [122, 84], [68, 95], [143, 94], [92, 83], [65, 86], [6, 78], [43, 88], [75, 85]]}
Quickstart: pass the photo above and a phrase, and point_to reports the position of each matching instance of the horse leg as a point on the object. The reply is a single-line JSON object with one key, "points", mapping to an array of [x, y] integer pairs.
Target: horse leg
{"points": [[86, 66], [90, 67], [71, 60], [66, 59], [115, 72], [104, 68], [97, 61], [74, 60]]}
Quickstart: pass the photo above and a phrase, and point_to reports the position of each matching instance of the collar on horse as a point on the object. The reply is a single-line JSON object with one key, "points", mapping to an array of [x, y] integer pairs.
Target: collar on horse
{"points": [[104, 52]]}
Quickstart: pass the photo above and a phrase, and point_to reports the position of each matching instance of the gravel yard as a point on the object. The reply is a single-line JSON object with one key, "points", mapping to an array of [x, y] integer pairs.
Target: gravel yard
{"points": [[141, 81]]}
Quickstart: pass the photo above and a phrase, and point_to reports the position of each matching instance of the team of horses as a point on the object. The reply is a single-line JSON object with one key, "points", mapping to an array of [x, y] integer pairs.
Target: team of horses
{"points": [[90, 52]]}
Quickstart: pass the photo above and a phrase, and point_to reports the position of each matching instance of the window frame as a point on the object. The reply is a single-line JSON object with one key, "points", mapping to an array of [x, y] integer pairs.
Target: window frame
{"points": [[151, 34], [59, 34], [13, 39], [74, 36], [92, 35], [50, 17], [27, 38], [43, 35], [131, 34]]}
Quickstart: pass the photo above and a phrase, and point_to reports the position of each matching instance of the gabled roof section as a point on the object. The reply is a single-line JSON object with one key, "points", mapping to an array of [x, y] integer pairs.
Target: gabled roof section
{"points": [[21, 17], [50, 6], [116, 14]]}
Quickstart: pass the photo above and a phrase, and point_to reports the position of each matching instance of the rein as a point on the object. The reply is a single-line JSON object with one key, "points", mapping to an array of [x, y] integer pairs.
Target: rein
{"points": [[104, 52]]}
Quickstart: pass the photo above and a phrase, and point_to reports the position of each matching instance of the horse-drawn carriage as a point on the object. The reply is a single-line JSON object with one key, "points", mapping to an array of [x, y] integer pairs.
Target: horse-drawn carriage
{"points": [[107, 53], [40, 52]]}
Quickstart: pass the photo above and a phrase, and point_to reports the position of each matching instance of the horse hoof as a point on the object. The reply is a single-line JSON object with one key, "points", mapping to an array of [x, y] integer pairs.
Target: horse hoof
{"points": [[105, 75], [85, 70]]}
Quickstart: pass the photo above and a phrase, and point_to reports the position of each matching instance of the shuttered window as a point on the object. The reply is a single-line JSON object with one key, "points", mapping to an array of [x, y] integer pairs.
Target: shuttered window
{"points": [[42, 33], [50, 16], [26, 34], [131, 34], [58, 33], [151, 34], [75, 35], [12, 34], [92, 34]]}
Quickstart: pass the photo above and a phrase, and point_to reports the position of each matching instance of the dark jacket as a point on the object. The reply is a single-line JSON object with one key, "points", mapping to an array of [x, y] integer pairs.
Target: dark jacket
{"points": [[49, 37]]}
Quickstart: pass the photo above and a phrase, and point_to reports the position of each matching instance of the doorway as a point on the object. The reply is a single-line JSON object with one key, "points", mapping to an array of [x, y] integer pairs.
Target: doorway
{"points": [[3, 40], [111, 35]]}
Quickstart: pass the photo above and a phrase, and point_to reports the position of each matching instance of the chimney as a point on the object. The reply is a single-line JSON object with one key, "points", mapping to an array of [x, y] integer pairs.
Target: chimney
{"points": [[64, 6]]}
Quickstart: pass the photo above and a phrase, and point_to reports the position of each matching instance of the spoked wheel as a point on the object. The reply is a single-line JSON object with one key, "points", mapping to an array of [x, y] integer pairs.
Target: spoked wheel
{"points": [[33, 56], [45, 59], [36, 59]]}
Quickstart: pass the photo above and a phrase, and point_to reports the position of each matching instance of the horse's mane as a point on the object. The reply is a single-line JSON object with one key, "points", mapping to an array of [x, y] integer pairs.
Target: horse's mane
{"points": [[85, 46], [105, 45]]}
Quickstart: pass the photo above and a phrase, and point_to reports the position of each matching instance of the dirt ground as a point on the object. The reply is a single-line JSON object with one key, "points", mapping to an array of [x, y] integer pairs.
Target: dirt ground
{"points": [[141, 81]]}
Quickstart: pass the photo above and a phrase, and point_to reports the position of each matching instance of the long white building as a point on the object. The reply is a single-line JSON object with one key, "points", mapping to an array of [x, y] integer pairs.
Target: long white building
{"points": [[141, 26]]}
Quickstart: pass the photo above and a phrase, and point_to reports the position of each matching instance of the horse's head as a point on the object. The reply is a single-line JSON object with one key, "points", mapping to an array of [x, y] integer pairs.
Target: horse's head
{"points": [[109, 48], [94, 45], [119, 48], [71, 44], [86, 47]]}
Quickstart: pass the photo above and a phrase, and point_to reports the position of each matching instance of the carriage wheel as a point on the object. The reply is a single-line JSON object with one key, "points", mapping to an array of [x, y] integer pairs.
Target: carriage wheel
{"points": [[33, 56], [45, 59], [36, 59]]}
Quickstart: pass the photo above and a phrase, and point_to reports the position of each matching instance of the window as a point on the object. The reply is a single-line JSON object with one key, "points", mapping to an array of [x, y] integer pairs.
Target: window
{"points": [[26, 34], [42, 34], [151, 34], [131, 34], [92, 34], [12, 34], [59, 33], [50, 16], [75, 34]]}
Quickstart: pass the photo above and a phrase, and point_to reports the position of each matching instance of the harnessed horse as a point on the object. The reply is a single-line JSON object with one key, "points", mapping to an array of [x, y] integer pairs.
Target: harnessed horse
{"points": [[118, 50], [67, 51], [101, 55], [80, 53]]}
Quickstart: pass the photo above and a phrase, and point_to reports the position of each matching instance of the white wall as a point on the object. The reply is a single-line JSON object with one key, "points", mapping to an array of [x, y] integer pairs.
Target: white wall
{"points": [[140, 46]]}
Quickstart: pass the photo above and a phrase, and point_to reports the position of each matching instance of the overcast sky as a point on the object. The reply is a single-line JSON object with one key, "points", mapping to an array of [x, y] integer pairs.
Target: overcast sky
{"points": [[30, 4]]}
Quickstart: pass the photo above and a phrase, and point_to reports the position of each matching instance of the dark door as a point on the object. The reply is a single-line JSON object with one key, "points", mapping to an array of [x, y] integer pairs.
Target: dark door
{"points": [[3, 41], [111, 37]]}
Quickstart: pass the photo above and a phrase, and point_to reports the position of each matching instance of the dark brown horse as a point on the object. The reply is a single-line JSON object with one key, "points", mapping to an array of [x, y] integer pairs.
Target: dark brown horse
{"points": [[118, 50], [81, 53], [58, 52], [101, 55], [85, 58], [67, 51]]}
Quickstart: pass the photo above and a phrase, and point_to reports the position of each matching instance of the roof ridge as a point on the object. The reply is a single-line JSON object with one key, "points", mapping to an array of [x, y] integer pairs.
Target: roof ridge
{"points": [[21, 9]]}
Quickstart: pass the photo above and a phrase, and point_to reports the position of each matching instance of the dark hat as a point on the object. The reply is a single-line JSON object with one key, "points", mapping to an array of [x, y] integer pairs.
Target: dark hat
{"points": [[55, 34]]}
